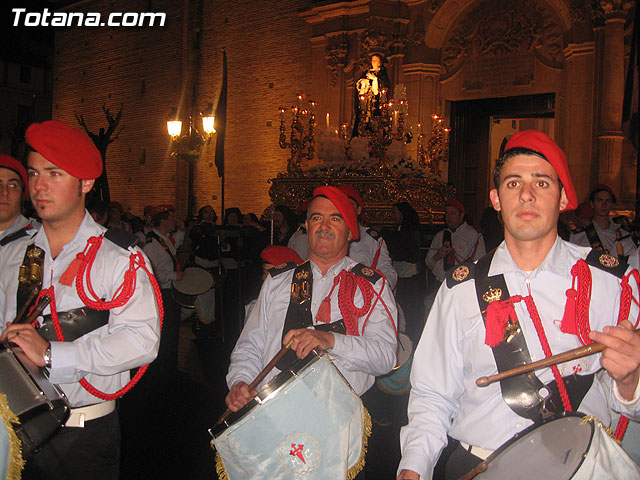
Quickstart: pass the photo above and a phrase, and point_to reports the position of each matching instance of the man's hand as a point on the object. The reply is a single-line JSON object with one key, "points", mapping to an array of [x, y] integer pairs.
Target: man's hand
{"points": [[621, 358], [26, 337], [443, 251], [304, 340], [179, 275], [239, 396], [408, 475]]}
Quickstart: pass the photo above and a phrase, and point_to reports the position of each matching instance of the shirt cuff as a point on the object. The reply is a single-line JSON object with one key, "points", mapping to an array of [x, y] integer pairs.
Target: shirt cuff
{"points": [[63, 362], [616, 393]]}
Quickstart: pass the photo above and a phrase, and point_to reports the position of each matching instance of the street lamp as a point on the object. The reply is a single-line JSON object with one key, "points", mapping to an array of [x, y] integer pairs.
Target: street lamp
{"points": [[188, 147]]}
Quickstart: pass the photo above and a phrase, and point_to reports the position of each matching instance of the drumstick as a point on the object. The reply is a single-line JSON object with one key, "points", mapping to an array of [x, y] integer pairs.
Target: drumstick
{"points": [[40, 306], [260, 376], [26, 305], [545, 362], [480, 468]]}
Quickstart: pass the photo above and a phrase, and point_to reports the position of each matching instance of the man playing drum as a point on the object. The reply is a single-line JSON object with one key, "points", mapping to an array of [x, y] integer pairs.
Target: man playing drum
{"points": [[349, 306], [510, 308], [105, 289]]}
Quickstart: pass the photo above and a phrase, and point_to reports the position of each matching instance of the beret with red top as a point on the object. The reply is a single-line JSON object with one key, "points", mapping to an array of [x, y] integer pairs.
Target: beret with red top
{"points": [[277, 255], [455, 204], [70, 149], [344, 206], [12, 164], [544, 145], [352, 193], [158, 209]]}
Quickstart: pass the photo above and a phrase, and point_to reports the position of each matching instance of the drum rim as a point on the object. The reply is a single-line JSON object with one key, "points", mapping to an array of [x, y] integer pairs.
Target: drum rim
{"points": [[210, 281], [271, 389], [535, 426]]}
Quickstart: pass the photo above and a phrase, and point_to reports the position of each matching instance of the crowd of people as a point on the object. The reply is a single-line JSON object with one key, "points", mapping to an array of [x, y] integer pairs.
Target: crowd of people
{"points": [[542, 273]]}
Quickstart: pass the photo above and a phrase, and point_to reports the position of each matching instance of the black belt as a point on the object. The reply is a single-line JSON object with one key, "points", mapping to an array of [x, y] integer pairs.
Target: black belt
{"points": [[74, 323]]}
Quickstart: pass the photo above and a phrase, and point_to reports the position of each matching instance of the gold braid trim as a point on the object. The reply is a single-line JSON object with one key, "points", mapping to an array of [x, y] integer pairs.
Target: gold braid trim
{"points": [[220, 470], [366, 433], [593, 419], [16, 462]]}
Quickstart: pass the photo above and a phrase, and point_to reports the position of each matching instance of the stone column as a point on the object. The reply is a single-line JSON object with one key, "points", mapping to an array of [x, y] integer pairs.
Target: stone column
{"points": [[610, 132]]}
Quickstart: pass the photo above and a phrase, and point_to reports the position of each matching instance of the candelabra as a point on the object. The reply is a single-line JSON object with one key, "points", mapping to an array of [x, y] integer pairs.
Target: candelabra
{"points": [[301, 141], [436, 149]]}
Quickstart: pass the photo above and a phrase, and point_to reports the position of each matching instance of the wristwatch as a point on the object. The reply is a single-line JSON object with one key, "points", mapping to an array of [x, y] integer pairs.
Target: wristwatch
{"points": [[47, 357]]}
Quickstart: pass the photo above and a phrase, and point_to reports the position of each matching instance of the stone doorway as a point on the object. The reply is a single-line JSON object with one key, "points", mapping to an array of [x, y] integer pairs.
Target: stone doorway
{"points": [[478, 130]]}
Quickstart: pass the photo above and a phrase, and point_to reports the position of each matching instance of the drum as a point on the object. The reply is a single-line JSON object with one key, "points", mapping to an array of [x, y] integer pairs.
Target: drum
{"points": [[397, 381], [305, 423], [194, 282], [41, 407], [569, 446]]}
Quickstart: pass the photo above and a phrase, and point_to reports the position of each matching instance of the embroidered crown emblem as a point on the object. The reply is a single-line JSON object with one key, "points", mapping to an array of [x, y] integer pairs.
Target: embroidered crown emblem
{"points": [[492, 294], [302, 275], [460, 273], [609, 261]]}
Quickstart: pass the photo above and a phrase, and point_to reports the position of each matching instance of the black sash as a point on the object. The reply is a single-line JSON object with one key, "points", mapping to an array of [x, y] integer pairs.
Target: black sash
{"points": [[522, 393], [594, 239], [23, 232], [449, 261], [299, 311], [74, 323], [151, 235]]}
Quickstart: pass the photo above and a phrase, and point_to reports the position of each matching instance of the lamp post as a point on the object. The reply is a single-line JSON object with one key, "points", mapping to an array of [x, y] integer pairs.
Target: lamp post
{"points": [[188, 146]]}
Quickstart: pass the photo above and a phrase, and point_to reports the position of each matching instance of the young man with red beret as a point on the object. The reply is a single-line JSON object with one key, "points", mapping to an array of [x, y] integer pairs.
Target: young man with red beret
{"points": [[457, 243], [13, 189], [100, 323], [323, 314], [601, 233], [517, 305]]}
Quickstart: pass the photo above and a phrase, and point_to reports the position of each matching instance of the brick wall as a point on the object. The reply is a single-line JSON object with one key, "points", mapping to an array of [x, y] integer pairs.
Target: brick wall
{"points": [[151, 69]]}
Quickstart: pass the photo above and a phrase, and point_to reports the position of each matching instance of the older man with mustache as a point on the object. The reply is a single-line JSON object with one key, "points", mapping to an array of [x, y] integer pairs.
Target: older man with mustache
{"points": [[360, 341]]}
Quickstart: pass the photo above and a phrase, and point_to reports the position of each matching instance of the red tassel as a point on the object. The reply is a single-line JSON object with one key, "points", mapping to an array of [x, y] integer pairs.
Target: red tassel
{"points": [[324, 312], [70, 273], [569, 323], [498, 313]]}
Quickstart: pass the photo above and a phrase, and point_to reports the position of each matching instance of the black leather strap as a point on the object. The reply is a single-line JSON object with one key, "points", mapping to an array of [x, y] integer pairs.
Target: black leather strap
{"points": [[74, 323]]}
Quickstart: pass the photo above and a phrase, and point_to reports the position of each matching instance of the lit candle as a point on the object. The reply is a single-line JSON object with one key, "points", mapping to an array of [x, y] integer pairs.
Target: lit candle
{"points": [[327, 121]]}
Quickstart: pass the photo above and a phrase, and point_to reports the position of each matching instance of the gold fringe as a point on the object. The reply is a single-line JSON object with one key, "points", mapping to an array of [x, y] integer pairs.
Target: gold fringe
{"points": [[220, 470], [16, 462], [366, 433], [353, 470], [593, 419]]}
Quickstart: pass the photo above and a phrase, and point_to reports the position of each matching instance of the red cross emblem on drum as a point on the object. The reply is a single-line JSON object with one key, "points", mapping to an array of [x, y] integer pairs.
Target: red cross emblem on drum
{"points": [[299, 453]]}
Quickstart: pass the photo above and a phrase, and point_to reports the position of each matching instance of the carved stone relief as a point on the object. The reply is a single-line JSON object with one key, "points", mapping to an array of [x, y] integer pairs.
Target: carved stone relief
{"points": [[497, 41], [336, 55]]}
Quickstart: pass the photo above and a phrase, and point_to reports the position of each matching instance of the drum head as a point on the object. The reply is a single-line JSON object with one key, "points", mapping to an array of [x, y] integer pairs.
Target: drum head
{"points": [[554, 450], [195, 281], [405, 348]]}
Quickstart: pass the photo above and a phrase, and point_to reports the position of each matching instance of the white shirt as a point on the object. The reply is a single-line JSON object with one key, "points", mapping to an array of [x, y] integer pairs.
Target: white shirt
{"points": [[359, 358], [452, 354], [19, 222], [105, 355], [162, 260], [463, 241], [610, 238]]}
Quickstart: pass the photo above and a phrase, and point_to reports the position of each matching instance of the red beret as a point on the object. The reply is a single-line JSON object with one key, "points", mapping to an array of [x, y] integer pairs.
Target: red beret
{"points": [[455, 204], [70, 149], [352, 193], [158, 209], [12, 164], [603, 187], [277, 255], [584, 210], [542, 143], [344, 206]]}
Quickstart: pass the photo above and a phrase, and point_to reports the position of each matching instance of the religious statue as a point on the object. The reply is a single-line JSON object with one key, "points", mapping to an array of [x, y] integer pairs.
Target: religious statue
{"points": [[372, 88]]}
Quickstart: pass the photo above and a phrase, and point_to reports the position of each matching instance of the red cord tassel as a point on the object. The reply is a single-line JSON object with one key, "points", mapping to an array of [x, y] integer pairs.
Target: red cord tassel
{"points": [[569, 323], [70, 273], [498, 314], [324, 312]]}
